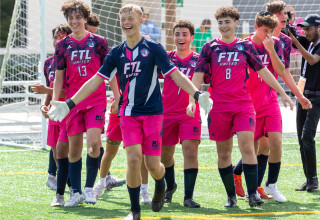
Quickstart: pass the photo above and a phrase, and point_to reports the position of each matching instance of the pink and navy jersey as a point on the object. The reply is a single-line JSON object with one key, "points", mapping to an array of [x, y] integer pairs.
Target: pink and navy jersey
{"points": [[176, 100], [286, 43], [49, 73], [226, 65], [138, 78], [81, 60], [261, 93]]}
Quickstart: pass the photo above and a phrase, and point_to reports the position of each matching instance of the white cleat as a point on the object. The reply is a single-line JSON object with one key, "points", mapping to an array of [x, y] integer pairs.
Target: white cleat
{"points": [[112, 181], [52, 182], [89, 196], [98, 190], [145, 198], [74, 200], [275, 192], [58, 200]]}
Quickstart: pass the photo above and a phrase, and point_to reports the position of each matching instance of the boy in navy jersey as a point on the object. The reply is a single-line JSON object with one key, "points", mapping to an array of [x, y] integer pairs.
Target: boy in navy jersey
{"points": [[140, 104]]}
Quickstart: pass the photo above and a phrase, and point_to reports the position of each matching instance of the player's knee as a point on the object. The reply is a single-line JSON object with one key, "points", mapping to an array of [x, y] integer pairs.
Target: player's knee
{"points": [[224, 156], [134, 161]]}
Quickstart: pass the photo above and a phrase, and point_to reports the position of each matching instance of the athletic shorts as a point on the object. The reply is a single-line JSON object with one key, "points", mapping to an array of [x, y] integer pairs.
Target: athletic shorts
{"points": [[56, 133], [185, 128], [223, 125], [145, 130], [271, 122], [113, 131], [79, 121]]}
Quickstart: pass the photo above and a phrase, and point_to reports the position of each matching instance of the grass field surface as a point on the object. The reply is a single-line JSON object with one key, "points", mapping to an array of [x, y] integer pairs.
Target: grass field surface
{"points": [[24, 195]]}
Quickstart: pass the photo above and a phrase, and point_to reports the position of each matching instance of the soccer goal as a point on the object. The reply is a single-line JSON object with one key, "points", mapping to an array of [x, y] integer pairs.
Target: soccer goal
{"points": [[30, 42]]}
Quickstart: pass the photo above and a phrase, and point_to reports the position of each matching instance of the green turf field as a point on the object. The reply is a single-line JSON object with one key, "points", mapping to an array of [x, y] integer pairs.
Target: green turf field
{"points": [[24, 195]]}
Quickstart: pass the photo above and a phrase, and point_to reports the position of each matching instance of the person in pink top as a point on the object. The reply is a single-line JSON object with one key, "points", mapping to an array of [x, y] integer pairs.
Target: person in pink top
{"points": [[226, 60], [177, 125], [265, 101], [77, 58]]}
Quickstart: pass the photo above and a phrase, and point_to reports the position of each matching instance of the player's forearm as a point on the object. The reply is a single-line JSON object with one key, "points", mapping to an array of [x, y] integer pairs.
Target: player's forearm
{"points": [[115, 88], [87, 89], [310, 58], [277, 64], [46, 100], [268, 78], [196, 81], [288, 80], [183, 82], [58, 83]]}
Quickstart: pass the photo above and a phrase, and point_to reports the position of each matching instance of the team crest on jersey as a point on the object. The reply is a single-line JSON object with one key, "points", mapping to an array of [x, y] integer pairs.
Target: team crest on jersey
{"points": [[240, 47], [90, 44], [193, 63], [144, 52]]}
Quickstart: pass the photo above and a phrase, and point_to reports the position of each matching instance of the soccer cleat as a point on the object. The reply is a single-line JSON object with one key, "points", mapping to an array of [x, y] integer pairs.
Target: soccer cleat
{"points": [[238, 185], [58, 200], [158, 200], [275, 192], [169, 194], [190, 203], [89, 196], [52, 182], [231, 202], [145, 198], [112, 181], [133, 215], [98, 190], [303, 187], [74, 200], [255, 200], [262, 194]]}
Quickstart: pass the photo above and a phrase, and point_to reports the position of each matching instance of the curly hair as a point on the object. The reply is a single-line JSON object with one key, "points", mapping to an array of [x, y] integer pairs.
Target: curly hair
{"points": [[227, 11], [93, 20], [62, 28], [75, 5], [183, 24], [266, 18]]}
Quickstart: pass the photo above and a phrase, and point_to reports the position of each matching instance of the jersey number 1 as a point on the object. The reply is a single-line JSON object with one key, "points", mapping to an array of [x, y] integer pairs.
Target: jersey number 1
{"points": [[228, 73], [82, 70]]}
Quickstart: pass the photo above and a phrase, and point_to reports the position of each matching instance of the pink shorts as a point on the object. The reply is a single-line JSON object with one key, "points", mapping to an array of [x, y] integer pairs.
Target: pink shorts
{"points": [[114, 131], [56, 133], [145, 130], [271, 122], [185, 128], [223, 125], [79, 121]]}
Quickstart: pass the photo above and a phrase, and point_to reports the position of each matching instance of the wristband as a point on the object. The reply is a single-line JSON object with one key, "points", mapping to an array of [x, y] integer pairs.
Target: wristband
{"points": [[70, 104], [196, 95]]}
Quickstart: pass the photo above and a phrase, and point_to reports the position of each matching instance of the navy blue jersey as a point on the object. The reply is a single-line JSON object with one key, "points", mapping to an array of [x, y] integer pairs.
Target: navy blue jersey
{"points": [[138, 78]]}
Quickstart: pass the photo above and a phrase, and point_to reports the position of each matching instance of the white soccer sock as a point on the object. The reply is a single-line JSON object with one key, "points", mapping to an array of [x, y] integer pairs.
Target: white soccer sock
{"points": [[144, 187], [102, 180]]}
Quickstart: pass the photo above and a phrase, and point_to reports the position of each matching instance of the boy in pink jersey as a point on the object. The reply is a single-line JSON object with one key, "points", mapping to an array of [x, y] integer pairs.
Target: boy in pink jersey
{"points": [[79, 56], [141, 110], [227, 57], [273, 127], [177, 125]]}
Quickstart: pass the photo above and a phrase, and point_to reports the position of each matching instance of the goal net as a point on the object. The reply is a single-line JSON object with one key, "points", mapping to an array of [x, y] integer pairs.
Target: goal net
{"points": [[20, 118]]}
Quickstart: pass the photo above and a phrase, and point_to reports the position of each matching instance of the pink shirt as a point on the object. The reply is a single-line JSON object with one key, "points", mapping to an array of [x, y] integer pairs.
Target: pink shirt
{"points": [[176, 100], [82, 60], [228, 75], [261, 93]]}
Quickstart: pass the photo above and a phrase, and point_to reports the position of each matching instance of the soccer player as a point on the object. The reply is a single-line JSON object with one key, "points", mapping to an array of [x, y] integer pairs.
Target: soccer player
{"points": [[79, 56], [140, 104], [57, 138], [226, 59], [177, 125], [93, 23], [265, 101]]}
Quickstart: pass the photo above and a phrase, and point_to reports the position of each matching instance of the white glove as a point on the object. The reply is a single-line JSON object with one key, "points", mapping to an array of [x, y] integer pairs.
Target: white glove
{"points": [[58, 110], [205, 102]]}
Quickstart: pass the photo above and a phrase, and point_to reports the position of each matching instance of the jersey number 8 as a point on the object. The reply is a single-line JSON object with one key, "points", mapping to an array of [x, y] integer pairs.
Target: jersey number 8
{"points": [[228, 73]]}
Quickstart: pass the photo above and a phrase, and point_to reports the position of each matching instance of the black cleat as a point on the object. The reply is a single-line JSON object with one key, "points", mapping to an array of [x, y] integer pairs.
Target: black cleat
{"points": [[303, 187], [190, 203], [312, 184], [133, 215], [169, 194], [158, 200], [255, 200], [231, 202]]}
